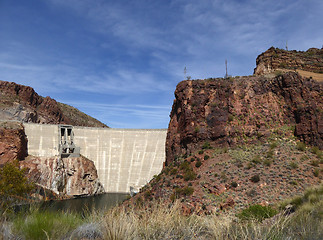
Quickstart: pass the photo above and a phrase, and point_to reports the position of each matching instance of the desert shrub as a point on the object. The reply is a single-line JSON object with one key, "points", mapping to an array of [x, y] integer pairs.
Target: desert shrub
{"points": [[315, 163], [316, 172], [293, 165], [14, 186], [173, 171], [301, 146], [273, 145], [198, 164], [206, 145], [267, 162], [148, 195], [255, 178], [206, 157], [186, 191], [230, 118], [234, 184], [189, 176], [257, 212], [201, 152], [315, 150], [256, 159], [185, 166], [270, 154]]}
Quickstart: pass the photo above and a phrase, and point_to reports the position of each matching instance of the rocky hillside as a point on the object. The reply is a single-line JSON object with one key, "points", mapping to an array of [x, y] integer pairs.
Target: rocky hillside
{"points": [[275, 58], [22, 103], [228, 112], [240, 141]]}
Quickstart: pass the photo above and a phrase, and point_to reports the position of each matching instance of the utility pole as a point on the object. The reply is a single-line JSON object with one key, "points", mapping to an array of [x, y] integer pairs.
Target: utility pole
{"points": [[286, 45], [185, 71], [226, 68]]}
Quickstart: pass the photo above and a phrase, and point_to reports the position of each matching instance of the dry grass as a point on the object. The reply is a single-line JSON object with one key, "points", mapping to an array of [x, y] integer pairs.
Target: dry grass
{"points": [[317, 76], [161, 221]]}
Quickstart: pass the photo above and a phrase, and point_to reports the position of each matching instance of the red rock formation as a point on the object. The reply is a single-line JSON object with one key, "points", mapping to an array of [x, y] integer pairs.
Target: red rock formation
{"points": [[243, 109], [22, 103], [67, 177], [275, 58], [13, 142]]}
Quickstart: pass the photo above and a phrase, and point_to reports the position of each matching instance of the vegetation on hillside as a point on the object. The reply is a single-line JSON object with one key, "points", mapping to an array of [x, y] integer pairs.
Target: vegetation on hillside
{"points": [[303, 220]]}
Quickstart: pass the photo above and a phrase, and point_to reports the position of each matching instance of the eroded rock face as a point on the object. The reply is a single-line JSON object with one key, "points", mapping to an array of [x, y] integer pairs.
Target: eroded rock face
{"points": [[67, 177], [244, 109], [275, 58], [13, 142]]}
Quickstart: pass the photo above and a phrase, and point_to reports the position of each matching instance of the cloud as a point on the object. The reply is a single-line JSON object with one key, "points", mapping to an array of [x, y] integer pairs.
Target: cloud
{"points": [[142, 116]]}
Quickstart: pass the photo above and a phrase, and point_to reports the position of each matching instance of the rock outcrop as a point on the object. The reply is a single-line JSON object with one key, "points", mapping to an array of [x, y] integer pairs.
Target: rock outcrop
{"points": [[275, 58], [66, 177], [226, 112], [239, 141], [13, 142], [22, 103]]}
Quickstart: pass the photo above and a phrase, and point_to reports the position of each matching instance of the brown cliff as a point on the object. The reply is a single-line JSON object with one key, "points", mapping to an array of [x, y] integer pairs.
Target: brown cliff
{"points": [[275, 58], [227, 112], [22, 103], [248, 140], [13, 142]]}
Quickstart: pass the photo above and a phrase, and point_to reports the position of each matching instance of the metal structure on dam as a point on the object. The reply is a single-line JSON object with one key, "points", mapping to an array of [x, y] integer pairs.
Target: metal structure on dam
{"points": [[124, 158]]}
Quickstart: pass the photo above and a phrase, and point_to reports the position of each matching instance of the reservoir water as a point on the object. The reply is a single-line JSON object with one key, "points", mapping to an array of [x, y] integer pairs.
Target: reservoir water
{"points": [[100, 203]]}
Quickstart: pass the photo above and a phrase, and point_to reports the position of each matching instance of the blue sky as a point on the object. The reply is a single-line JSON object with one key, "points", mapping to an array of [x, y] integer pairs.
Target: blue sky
{"points": [[120, 61]]}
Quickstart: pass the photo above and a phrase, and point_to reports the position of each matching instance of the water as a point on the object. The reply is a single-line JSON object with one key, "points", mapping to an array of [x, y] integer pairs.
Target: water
{"points": [[83, 205]]}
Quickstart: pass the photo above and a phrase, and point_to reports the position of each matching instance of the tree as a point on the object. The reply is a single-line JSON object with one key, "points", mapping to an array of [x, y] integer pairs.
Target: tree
{"points": [[14, 186]]}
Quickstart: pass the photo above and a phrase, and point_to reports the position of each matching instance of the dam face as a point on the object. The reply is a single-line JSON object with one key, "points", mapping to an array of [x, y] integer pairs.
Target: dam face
{"points": [[124, 158]]}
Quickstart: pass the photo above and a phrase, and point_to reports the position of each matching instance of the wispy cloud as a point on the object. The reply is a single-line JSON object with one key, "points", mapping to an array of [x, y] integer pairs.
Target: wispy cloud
{"points": [[142, 116], [118, 51]]}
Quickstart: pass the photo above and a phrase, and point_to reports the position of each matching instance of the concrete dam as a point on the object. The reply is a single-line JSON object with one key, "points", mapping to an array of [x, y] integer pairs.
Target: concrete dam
{"points": [[124, 158]]}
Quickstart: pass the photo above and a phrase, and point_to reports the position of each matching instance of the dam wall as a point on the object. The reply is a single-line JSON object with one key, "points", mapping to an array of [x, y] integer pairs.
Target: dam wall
{"points": [[124, 158]]}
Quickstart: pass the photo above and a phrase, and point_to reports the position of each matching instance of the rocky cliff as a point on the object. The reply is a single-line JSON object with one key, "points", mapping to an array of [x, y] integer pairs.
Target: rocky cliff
{"points": [[275, 58], [66, 177], [227, 112], [22, 103], [13, 142], [245, 140]]}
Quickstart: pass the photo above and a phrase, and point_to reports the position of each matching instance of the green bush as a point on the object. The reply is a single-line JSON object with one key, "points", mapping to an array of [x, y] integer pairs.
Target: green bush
{"points": [[198, 164], [206, 145], [14, 186], [301, 146], [257, 212], [255, 178], [189, 176], [273, 145], [267, 162], [206, 157], [293, 165], [256, 159]]}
